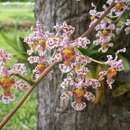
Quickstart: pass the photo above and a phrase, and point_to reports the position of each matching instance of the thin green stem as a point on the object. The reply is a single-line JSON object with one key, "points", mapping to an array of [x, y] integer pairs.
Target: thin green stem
{"points": [[23, 78], [96, 61]]}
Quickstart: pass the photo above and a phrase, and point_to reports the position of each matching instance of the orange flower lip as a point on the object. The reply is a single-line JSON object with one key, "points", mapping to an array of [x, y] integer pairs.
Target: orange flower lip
{"points": [[68, 55], [7, 82], [41, 67], [42, 43], [78, 94], [119, 6], [112, 72]]}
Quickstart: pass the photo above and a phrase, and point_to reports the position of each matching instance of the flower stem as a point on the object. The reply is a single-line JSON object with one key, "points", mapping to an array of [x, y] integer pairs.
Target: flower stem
{"points": [[23, 99], [87, 33], [23, 78], [96, 61]]}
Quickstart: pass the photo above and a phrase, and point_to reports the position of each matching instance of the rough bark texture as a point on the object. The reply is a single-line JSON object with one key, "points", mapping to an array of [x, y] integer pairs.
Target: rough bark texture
{"points": [[110, 115]]}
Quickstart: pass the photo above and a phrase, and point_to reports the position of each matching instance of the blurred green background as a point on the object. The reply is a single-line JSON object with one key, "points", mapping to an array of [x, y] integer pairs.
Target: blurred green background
{"points": [[16, 19]]}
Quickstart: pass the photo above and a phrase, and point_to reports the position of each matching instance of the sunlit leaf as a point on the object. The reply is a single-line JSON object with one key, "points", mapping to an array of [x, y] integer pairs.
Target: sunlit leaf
{"points": [[100, 90], [99, 93], [89, 75]]}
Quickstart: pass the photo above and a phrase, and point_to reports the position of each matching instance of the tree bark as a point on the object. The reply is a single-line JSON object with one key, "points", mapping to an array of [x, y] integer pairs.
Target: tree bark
{"points": [[109, 115]]}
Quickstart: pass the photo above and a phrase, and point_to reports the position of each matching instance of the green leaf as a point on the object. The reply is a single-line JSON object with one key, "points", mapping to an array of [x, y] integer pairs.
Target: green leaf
{"points": [[93, 53], [17, 46], [12, 42], [121, 90]]}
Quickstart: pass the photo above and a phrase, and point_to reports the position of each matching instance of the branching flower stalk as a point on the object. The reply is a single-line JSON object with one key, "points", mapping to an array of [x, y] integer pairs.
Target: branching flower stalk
{"points": [[33, 85], [74, 64]]}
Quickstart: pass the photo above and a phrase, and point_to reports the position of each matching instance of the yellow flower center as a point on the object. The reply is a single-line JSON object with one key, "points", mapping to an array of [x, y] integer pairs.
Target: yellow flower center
{"points": [[41, 67], [79, 92], [42, 43], [68, 55]]}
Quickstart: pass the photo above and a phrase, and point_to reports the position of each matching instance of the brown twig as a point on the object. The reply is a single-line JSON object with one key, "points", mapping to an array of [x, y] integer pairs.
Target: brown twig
{"points": [[87, 33], [23, 99]]}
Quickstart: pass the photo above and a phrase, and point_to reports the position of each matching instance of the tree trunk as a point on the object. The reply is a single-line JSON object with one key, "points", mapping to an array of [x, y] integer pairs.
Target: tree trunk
{"points": [[109, 115]]}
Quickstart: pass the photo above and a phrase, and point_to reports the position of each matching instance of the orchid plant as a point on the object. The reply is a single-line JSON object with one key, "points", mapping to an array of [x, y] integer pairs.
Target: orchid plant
{"points": [[59, 47]]}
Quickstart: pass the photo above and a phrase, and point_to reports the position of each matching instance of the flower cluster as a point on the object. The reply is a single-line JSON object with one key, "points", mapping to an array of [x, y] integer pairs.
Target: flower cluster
{"points": [[65, 51], [61, 48], [76, 87], [106, 29], [104, 35], [46, 47], [36, 54], [114, 65], [6, 81]]}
